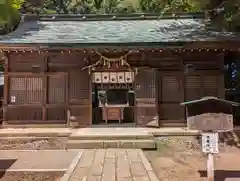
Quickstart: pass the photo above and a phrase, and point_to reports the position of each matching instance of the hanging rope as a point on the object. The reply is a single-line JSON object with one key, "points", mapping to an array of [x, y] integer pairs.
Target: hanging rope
{"points": [[105, 61]]}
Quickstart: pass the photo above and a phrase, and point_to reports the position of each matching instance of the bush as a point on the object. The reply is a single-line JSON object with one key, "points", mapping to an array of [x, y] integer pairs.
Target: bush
{"points": [[9, 15]]}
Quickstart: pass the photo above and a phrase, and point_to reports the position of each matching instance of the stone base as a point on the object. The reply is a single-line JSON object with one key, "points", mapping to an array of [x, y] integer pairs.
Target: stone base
{"points": [[94, 144]]}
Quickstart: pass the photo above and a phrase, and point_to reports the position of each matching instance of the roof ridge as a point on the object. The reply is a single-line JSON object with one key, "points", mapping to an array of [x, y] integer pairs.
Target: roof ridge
{"points": [[112, 17]]}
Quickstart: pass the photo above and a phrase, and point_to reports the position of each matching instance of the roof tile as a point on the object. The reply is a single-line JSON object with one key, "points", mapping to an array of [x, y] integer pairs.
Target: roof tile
{"points": [[114, 31]]}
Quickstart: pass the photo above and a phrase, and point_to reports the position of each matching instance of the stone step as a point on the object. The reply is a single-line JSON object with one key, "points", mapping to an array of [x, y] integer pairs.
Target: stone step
{"points": [[111, 137], [95, 144]]}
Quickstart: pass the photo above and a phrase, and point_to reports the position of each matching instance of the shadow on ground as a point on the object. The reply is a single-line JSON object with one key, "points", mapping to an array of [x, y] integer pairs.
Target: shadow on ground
{"points": [[5, 164], [222, 175]]}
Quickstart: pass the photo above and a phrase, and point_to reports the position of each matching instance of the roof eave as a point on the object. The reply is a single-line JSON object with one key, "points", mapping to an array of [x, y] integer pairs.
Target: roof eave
{"points": [[177, 44]]}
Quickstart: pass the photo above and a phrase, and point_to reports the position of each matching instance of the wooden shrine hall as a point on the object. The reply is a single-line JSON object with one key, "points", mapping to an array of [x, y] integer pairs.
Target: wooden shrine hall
{"points": [[82, 70]]}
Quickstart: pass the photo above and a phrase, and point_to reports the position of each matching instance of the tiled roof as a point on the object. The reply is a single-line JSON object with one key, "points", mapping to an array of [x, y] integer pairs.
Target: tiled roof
{"points": [[79, 30]]}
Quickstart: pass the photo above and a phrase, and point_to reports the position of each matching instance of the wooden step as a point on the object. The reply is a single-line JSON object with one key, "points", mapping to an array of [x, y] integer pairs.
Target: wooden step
{"points": [[94, 144]]}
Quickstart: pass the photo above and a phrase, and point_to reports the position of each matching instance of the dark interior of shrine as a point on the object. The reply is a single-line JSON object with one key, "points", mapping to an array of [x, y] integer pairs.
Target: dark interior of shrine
{"points": [[115, 98]]}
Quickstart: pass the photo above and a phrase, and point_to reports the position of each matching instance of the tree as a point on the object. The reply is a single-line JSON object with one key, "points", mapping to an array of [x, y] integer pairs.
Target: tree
{"points": [[10, 15], [96, 6], [225, 13], [172, 6], [81, 6], [61, 6]]}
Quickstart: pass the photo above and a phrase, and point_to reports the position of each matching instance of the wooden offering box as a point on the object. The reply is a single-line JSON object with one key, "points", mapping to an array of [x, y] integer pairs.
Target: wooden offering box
{"points": [[209, 114], [113, 112]]}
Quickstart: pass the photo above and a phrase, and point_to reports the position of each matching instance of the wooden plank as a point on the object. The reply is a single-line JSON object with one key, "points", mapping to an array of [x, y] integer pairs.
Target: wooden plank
{"points": [[63, 105], [23, 105], [35, 121], [34, 74]]}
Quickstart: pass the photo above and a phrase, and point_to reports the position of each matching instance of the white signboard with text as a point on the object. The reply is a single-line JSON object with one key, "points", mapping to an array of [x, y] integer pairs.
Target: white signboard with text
{"points": [[210, 142]]}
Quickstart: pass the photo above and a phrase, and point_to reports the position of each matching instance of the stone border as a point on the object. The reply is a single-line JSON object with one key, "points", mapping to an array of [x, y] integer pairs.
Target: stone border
{"points": [[33, 170], [151, 174], [72, 166]]}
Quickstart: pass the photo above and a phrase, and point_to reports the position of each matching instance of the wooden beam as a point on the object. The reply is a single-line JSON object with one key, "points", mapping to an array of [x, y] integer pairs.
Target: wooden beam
{"points": [[34, 74], [24, 105], [25, 122], [61, 105]]}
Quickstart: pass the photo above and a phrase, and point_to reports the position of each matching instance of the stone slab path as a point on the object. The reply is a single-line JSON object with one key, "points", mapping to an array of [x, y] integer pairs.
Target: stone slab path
{"points": [[38, 160], [112, 165]]}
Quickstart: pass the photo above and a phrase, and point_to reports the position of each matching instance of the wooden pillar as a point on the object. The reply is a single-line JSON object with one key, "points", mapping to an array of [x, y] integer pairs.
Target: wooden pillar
{"points": [[67, 98], [6, 86], [181, 81], [221, 84], [159, 98], [45, 90], [157, 91], [90, 98]]}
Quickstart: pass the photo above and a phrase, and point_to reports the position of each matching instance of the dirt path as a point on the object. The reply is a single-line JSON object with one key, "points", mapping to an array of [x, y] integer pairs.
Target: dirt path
{"points": [[180, 159]]}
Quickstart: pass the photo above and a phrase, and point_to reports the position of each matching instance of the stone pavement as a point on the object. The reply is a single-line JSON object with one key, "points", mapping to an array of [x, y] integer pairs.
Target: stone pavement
{"points": [[112, 165], [38, 160], [64, 132]]}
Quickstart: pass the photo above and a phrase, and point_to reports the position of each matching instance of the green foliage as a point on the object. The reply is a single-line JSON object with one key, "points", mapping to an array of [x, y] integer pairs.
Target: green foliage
{"points": [[95, 6], [173, 6], [17, 4], [10, 16], [228, 18]]}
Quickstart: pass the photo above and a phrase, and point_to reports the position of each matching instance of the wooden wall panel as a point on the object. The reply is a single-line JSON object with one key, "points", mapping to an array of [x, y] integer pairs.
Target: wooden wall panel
{"points": [[24, 113], [65, 62], [145, 107], [56, 89], [203, 84], [23, 62], [192, 87], [80, 93], [210, 85], [26, 90], [56, 113], [170, 88], [169, 98], [79, 87]]}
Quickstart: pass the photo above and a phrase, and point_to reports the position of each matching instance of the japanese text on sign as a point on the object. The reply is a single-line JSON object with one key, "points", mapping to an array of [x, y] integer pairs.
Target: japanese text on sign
{"points": [[210, 143]]}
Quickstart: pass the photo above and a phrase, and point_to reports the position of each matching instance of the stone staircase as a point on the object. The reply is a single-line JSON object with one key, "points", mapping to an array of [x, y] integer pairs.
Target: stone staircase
{"points": [[116, 139]]}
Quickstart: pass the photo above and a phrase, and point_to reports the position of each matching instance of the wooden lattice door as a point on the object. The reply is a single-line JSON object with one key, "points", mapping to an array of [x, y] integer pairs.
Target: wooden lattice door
{"points": [[169, 98], [145, 97], [80, 97]]}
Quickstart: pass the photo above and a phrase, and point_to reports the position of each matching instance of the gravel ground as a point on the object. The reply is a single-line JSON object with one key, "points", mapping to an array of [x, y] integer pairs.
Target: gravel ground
{"points": [[31, 176], [33, 144], [181, 159]]}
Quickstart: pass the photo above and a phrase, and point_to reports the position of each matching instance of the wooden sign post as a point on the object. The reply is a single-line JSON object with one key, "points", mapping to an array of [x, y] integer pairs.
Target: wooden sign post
{"points": [[210, 147], [211, 116]]}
